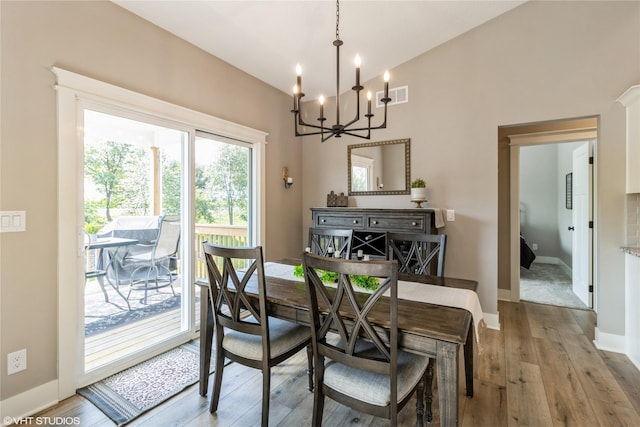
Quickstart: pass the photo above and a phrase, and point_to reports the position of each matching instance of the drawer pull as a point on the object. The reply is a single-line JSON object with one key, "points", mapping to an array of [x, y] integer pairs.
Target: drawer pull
{"points": [[355, 221], [323, 220], [414, 223], [375, 222]]}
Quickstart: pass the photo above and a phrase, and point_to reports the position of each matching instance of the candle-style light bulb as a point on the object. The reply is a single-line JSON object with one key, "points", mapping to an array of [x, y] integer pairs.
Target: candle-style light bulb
{"points": [[299, 77], [295, 96], [321, 99], [386, 84], [358, 61], [368, 102]]}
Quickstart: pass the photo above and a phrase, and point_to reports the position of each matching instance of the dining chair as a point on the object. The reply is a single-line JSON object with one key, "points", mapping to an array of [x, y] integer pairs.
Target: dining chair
{"points": [[152, 268], [359, 365], [329, 241], [244, 332], [418, 254]]}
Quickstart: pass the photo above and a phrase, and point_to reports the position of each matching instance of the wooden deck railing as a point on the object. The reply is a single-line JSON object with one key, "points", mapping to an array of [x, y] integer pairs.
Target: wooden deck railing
{"points": [[226, 235]]}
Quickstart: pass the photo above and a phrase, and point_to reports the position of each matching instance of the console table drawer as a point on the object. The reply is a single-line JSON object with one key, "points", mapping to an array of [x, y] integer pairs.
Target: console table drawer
{"points": [[416, 223], [340, 221]]}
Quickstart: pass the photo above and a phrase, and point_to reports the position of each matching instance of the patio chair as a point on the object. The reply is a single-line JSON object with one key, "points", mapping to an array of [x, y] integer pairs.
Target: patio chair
{"points": [[360, 366], [328, 241], [154, 267], [93, 265], [244, 332]]}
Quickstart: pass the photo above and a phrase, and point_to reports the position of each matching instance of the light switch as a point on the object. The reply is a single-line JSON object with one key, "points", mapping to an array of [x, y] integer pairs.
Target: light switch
{"points": [[11, 221], [451, 215]]}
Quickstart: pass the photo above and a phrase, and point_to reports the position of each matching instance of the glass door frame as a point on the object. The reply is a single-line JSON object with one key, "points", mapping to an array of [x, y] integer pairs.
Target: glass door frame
{"points": [[74, 92]]}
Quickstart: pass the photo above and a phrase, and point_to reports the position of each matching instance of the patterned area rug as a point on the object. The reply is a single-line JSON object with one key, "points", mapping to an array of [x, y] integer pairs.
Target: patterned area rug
{"points": [[128, 394]]}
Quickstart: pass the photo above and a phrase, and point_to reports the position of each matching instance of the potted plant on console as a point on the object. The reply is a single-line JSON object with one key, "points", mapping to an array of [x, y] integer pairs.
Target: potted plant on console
{"points": [[418, 191]]}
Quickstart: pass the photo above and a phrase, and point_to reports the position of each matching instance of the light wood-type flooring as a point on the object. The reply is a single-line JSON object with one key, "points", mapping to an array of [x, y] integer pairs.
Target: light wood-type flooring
{"points": [[541, 369]]}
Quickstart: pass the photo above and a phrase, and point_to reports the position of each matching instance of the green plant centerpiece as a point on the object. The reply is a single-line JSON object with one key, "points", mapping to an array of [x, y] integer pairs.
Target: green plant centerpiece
{"points": [[418, 191], [418, 183], [364, 282]]}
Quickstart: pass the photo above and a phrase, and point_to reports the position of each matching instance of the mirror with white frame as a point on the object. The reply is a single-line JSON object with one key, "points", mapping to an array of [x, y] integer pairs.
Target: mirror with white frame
{"points": [[379, 168]]}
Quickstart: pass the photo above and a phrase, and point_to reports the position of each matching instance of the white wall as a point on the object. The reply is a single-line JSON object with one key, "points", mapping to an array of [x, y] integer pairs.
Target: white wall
{"points": [[539, 198], [544, 217]]}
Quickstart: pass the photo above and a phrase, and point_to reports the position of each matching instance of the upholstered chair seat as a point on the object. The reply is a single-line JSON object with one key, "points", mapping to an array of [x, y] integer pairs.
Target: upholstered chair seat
{"points": [[283, 336]]}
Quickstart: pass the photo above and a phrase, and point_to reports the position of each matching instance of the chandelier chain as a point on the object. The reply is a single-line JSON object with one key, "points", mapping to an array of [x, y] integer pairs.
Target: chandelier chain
{"points": [[337, 19]]}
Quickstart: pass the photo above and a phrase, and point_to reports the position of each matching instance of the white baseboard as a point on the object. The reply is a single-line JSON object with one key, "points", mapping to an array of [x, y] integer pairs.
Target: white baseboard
{"points": [[28, 403], [609, 342], [546, 260], [492, 320]]}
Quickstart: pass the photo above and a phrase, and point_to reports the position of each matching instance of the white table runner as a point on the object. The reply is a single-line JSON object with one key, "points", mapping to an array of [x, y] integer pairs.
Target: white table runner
{"points": [[412, 291]]}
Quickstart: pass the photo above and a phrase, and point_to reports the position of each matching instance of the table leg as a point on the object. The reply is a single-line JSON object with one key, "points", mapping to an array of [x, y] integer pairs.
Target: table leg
{"points": [[206, 338], [447, 377], [468, 360], [115, 286]]}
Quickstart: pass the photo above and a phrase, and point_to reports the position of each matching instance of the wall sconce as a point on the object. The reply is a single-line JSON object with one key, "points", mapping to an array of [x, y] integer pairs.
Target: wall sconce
{"points": [[288, 181]]}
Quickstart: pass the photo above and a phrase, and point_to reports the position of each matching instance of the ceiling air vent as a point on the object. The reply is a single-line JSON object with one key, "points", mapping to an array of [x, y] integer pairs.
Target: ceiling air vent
{"points": [[398, 95]]}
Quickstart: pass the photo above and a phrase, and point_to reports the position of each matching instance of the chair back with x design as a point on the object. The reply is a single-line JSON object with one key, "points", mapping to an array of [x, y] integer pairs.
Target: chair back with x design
{"points": [[418, 254], [356, 362], [328, 241]]}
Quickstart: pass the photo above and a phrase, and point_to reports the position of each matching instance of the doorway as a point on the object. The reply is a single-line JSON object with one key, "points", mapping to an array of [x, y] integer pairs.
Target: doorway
{"points": [[510, 141], [554, 215]]}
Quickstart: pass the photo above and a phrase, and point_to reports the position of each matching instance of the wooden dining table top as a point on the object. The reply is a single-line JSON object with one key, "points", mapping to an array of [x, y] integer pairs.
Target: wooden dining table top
{"points": [[434, 321]]}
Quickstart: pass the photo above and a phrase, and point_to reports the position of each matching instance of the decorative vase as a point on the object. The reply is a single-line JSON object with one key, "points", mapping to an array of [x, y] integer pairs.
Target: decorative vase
{"points": [[419, 193]]}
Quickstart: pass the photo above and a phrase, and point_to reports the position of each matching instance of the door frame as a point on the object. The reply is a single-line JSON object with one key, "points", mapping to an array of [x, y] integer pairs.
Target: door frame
{"points": [[72, 89], [538, 138]]}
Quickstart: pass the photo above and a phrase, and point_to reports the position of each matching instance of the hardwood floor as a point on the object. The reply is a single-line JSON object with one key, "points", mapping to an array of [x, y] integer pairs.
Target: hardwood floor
{"points": [[541, 369]]}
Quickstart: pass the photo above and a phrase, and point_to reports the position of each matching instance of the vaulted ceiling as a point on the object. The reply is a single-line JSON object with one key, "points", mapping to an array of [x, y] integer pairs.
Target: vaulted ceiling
{"points": [[266, 39]]}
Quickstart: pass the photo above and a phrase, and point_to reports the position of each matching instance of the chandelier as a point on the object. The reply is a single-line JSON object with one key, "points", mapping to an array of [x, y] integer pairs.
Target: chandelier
{"points": [[338, 129]]}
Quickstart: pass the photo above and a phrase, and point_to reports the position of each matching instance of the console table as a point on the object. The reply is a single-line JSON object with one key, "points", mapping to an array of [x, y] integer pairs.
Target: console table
{"points": [[370, 225]]}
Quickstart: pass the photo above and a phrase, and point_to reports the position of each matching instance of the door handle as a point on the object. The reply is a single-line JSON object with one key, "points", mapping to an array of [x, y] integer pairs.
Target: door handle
{"points": [[571, 228]]}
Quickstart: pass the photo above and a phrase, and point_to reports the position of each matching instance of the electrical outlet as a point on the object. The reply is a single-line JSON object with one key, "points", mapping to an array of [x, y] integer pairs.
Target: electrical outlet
{"points": [[534, 246], [16, 361]]}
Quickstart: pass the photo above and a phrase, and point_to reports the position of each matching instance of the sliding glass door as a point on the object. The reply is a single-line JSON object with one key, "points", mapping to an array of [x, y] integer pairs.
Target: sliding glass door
{"points": [[136, 289], [141, 183]]}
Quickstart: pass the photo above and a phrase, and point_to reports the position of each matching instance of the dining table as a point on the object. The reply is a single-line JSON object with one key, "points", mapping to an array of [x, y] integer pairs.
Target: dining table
{"points": [[438, 329], [102, 271]]}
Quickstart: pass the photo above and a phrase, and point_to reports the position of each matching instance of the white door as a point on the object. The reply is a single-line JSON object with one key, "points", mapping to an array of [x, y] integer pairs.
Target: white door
{"points": [[581, 205]]}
